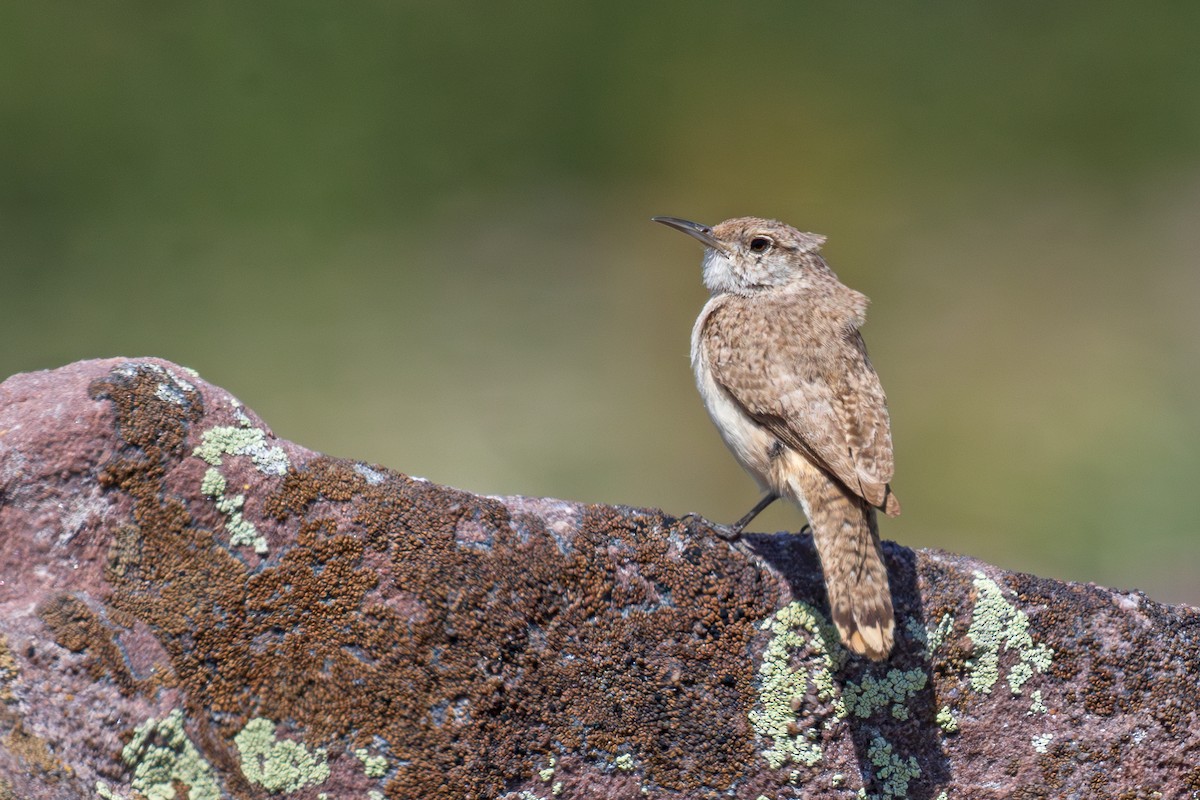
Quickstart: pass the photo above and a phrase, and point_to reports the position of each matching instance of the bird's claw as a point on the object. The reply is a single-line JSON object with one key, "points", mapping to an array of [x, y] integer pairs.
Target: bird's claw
{"points": [[729, 533]]}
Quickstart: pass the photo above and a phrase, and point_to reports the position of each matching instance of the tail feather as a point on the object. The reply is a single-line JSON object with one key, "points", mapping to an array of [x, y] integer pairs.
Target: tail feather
{"points": [[856, 580]]}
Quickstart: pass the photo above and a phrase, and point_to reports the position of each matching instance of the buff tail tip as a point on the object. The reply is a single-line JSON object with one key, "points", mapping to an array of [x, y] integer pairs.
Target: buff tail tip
{"points": [[873, 640]]}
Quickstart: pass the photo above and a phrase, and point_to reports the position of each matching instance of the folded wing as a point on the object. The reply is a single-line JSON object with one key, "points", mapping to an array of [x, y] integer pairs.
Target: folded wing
{"points": [[809, 381]]}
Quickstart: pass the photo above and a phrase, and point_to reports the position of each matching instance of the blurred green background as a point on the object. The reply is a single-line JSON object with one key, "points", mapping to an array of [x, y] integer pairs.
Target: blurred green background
{"points": [[418, 234]]}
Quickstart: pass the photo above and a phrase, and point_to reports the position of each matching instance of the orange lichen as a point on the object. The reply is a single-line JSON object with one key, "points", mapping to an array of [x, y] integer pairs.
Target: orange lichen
{"points": [[31, 749], [79, 629]]}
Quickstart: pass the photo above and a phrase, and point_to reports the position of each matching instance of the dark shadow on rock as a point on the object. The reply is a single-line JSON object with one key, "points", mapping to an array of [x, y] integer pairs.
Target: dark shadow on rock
{"points": [[882, 738]]}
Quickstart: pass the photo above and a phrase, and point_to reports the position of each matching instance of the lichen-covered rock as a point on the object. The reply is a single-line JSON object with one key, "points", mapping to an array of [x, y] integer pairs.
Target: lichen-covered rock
{"points": [[190, 607]]}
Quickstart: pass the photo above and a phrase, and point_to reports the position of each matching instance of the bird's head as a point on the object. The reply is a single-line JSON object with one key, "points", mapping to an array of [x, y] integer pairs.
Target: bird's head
{"points": [[746, 255]]}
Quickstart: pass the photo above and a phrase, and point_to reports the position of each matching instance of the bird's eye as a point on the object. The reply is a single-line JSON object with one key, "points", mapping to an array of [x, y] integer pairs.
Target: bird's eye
{"points": [[760, 244]]}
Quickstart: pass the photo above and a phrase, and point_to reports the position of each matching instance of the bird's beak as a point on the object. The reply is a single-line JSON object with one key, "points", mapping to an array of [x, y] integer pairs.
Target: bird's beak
{"points": [[695, 230]]}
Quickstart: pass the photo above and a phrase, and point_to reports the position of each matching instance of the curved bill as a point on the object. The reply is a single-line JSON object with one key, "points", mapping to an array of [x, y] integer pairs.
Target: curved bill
{"points": [[694, 229]]}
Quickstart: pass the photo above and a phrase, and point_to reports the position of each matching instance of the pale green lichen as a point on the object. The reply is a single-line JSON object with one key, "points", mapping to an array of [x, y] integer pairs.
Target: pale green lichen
{"points": [[996, 623], [374, 794], [161, 755], [278, 765], [213, 483], [373, 766], [930, 638], [245, 441], [546, 774], [1037, 706], [892, 773], [231, 505], [868, 696], [242, 532], [795, 625], [105, 793], [918, 632], [1041, 742], [1018, 675], [625, 762], [798, 626], [557, 788], [938, 635], [946, 720]]}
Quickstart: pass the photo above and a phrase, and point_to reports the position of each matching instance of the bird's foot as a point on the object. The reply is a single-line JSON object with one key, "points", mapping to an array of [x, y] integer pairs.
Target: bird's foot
{"points": [[730, 533]]}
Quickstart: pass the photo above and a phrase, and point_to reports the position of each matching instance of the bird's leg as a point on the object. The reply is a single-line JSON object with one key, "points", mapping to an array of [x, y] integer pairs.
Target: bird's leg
{"points": [[734, 532], [761, 506]]}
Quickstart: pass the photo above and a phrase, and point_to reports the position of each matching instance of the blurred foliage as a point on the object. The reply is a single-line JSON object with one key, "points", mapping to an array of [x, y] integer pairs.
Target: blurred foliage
{"points": [[416, 234]]}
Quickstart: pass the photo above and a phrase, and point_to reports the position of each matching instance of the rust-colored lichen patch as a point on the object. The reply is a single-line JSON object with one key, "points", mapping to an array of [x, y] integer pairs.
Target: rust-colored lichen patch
{"points": [[8, 671], [79, 629], [153, 407], [30, 749]]}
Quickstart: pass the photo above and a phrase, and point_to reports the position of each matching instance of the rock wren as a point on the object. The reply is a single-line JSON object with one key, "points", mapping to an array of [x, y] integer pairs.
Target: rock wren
{"points": [[785, 376]]}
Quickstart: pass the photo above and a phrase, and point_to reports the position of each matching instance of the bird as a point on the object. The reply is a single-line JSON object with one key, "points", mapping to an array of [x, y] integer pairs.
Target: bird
{"points": [[785, 377]]}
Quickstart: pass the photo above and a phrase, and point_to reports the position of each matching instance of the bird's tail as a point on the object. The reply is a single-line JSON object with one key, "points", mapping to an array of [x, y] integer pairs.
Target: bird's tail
{"points": [[856, 579]]}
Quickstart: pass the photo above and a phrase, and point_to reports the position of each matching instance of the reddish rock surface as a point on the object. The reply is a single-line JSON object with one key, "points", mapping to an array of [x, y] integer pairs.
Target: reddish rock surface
{"points": [[190, 605]]}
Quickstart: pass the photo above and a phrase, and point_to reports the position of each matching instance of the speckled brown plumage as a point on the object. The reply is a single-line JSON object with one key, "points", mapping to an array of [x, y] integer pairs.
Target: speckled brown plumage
{"points": [[785, 376]]}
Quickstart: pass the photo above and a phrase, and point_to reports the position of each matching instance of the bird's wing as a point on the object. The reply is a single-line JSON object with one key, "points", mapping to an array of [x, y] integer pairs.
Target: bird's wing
{"points": [[805, 377]]}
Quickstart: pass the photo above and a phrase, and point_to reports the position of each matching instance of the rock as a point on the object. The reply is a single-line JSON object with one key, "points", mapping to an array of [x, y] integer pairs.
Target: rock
{"points": [[190, 607]]}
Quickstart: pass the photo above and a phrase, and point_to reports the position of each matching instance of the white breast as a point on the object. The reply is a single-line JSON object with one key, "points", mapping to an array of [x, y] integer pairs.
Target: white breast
{"points": [[749, 443]]}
